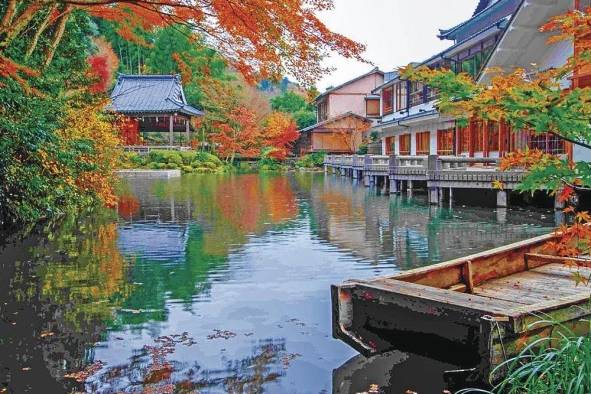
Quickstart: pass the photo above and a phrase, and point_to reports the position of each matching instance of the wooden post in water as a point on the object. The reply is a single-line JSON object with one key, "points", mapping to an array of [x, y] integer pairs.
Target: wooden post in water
{"points": [[502, 199]]}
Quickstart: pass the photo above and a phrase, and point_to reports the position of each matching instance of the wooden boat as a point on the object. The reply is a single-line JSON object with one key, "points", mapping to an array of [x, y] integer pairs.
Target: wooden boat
{"points": [[484, 308]]}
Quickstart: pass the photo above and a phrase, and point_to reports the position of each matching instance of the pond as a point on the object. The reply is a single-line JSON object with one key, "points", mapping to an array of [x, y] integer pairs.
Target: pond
{"points": [[221, 283]]}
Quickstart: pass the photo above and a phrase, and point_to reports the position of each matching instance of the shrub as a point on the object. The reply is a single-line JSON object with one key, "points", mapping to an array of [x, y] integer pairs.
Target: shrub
{"points": [[311, 160], [207, 157], [187, 157], [165, 156], [133, 160]]}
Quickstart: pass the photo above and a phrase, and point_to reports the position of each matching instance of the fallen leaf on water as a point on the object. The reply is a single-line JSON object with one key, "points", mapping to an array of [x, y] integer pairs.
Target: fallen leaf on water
{"points": [[90, 370], [223, 334]]}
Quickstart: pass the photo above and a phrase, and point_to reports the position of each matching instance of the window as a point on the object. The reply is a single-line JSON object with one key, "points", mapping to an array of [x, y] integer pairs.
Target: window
{"points": [[423, 143], [404, 141], [416, 93], [464, 133], [401, 96], [372, 107], [547, 142], [445, 142], [387, 100], [493, 136], [323, 110], [390, 145], [472, 61]]}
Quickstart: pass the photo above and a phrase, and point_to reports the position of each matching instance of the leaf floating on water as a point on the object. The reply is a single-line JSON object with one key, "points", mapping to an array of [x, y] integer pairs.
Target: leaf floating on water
{"points": [[47, 334], [221, 334], [87, 372], [288, 358]]}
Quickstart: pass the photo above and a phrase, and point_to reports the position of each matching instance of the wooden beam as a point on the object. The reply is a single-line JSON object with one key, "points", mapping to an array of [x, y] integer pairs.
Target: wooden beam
{"points": [[467, 274], [535, 260], [171, 129]]}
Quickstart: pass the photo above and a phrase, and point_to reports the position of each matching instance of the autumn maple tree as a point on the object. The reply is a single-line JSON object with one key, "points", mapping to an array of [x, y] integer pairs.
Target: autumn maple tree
{"points": [[259, 38], [279, 134], [536, 102]]}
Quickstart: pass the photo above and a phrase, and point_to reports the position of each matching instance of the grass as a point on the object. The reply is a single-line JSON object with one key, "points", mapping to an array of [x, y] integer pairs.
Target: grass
{"points": [[560, 363]]}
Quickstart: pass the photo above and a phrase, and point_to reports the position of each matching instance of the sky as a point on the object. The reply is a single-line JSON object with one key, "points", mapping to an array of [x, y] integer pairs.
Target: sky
{"points": [[395, 32]]}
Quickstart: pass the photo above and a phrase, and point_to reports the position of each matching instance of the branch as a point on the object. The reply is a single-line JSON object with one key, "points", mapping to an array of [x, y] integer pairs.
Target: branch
{"points": [[40, 31], [57, 36], [9, 14]]}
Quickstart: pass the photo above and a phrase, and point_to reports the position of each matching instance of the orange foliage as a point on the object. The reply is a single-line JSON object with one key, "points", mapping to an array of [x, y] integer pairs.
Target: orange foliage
{"points": [[128, 206], [260, 38], [238, 136], [88, 124], [280, 133], [527, 159], [103, 66]]}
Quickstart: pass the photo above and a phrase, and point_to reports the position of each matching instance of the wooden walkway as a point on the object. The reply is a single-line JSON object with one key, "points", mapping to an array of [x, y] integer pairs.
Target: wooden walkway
{"points": [[440, 174]]}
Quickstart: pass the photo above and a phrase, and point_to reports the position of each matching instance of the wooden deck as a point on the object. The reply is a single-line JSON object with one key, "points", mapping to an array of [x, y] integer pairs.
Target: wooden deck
{"points": [[489, 305], [440, 174]]}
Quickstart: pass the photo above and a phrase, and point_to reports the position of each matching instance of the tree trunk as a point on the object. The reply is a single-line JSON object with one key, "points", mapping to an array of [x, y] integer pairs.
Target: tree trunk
{"points": [[57, 36], [12, 30], [9, 14], [40, 31]]}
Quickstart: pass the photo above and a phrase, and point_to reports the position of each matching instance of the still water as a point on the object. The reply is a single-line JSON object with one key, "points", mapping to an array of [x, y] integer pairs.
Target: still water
{"points": [[219, 284]]}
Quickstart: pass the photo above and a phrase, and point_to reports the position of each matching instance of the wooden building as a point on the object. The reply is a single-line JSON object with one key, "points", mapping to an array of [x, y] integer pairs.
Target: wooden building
{"points": [[344, 113], [156, 110], [501, 33], [340, 134]]}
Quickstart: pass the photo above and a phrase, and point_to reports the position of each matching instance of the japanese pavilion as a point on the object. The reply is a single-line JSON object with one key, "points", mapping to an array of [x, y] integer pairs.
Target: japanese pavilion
{"points": [[156, 108]]}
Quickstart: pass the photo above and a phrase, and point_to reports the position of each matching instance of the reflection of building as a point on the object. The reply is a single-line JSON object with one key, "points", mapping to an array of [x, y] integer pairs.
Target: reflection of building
{"points": [[409, 233], [155, 106], [153, 242]]}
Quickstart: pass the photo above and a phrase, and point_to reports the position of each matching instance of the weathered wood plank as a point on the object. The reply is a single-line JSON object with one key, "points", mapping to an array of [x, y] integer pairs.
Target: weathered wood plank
{"points": [[562, 270]]}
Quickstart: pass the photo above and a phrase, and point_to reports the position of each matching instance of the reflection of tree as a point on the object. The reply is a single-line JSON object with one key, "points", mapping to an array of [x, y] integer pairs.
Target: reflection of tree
{"points": [[152, 370], [158, 281], [91, 281], [58, 289], [225, 211]]}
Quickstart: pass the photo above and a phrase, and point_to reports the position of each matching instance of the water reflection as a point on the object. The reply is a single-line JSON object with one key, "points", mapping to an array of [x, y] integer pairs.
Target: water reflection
{"points": [[216, 283]]}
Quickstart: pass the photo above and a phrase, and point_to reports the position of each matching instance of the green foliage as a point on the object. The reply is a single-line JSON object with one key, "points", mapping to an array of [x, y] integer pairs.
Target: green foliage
{"points": [[363, 148], [565, 368], [267, 163], [311, 160], [289, 102], [304, 118], [28, 127], [186, 161], [297, 106]]}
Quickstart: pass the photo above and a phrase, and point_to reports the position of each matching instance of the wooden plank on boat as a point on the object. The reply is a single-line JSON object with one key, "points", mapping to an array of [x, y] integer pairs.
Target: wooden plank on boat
{"points": [[531, 288], [550, 313], [452, 299], [535, 260], [498, 262], [562, 270]]}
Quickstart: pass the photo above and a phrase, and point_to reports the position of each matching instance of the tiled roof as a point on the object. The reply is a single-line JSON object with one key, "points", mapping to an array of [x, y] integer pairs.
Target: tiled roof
{"points": [[487, 13], [136, 94], [328, 91]]}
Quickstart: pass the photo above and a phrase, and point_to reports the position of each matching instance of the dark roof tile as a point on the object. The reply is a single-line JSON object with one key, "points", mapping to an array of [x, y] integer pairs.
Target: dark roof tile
{"points": [[135, 94]]}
